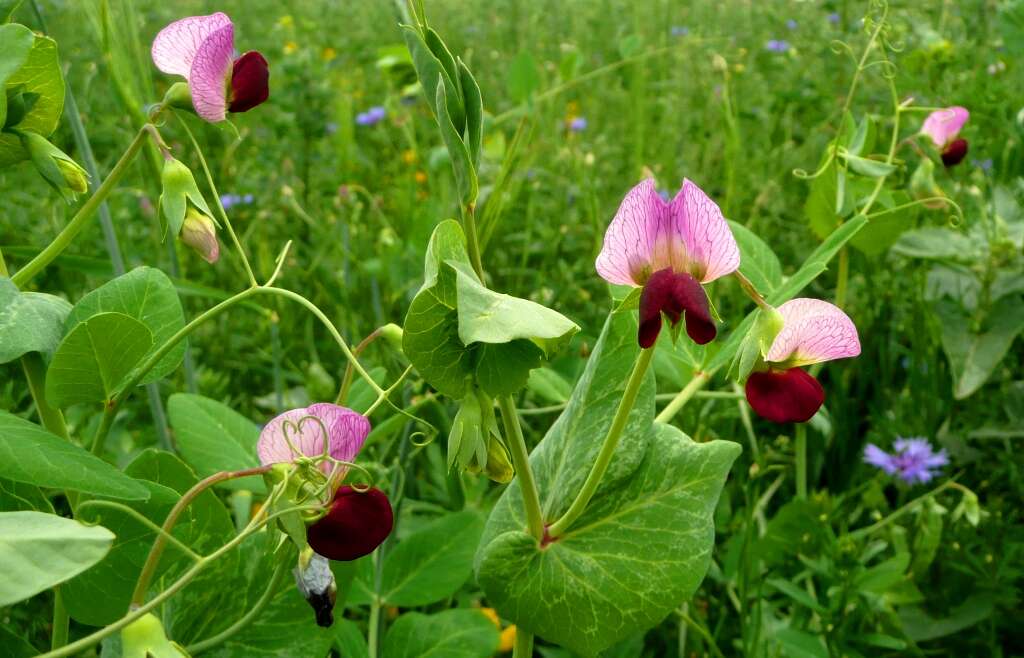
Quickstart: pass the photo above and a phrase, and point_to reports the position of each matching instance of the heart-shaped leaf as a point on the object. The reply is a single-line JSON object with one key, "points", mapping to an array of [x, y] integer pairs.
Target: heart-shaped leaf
{"points": [[456, 633], [29, 321]]}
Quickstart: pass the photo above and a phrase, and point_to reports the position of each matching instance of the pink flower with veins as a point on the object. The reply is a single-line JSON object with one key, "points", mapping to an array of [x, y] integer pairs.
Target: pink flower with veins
{"points": [[202, 50], [669, 248], [294, 430], [943, 126], [814, 331]]}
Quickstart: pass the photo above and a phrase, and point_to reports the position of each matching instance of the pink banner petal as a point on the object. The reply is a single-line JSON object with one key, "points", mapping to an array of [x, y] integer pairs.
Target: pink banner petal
{"points": [[210, 72], [629, 242], [814, 331], [346, 428], [175, 46], [710, 246], [945, 124]]}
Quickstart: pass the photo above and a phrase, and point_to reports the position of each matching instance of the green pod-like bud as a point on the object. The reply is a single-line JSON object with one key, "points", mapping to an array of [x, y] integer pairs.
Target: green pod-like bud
{"points": [[467, 445], [55, 166], [767, 324], [392, 333], [499, 466], [180, 192], [145, 638], [199, 232]]}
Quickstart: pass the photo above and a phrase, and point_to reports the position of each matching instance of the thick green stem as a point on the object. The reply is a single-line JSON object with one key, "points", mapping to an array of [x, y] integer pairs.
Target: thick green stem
{"points": [[469, 226], [153, 559], [59, 634], [842, 276], [373, 631], [84, 214], [521, 462], [523, 648], [700, 379], [247, 618], [801, 461], [611, 441], [35, 372]]}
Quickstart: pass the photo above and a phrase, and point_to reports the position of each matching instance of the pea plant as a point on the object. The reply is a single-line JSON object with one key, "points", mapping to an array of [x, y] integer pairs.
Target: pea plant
{"points": [[245, 540]]}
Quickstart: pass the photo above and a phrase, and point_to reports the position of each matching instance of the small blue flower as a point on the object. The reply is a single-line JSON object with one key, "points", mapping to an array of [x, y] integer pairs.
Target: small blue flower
{"points": [[230, 200], [792, 24], [985, 165], [777, 45], [579, 124], [833, 18], [913, 460], [680, 31], [372, 116]]}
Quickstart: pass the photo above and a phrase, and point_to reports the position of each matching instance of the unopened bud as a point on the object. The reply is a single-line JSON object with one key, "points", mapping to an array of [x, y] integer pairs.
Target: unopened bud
{"points": [[74, 176], [179, 96], [499, 467], [315, 581], [145, 638], [55, 166], [199, 232], [392, 333], [180, 194]]}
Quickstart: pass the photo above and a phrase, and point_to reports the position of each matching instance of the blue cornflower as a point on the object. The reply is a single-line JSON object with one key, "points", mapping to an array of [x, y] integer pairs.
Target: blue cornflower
{"points": [[913, 460], [792, 24], [777, 45], [373, 115], [578, 124], [230, 200], [833, 18]]}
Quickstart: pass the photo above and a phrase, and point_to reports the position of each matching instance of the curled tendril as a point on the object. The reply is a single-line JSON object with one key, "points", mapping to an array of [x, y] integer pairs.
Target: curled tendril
{"points": [[803, 175], [839, 47], [894, 46], [888, 68], [427, 439], [358, 486]]}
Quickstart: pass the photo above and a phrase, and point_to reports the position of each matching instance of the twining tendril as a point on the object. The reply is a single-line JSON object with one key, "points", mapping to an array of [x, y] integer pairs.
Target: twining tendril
{"points": [[428, 438], [888, 68], [839, 47], [803, 175]]}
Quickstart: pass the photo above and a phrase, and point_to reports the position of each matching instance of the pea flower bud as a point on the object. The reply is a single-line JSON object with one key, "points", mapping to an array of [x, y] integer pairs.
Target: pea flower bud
{"points": [[145, 638], [55, 166], [199, 232], [315, 581], [183, 210]]}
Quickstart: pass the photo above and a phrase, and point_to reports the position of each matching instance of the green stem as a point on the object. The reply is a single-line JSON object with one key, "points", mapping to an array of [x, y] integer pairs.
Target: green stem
{"points": [[100, 438], [248, 617], [35, 372], [842, 275], [153, 559], [703, 632], [611, 441], [801, 461], [84, 214], [700, 379], [373, 631], [521, 462], [216, 199], [469, 225], [523, 648], [59, 635]]}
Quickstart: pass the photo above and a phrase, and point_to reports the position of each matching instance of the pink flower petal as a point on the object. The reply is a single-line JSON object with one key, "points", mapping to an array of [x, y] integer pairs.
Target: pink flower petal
{"points": [[814, 331], [208, 79], [945, 124], [711, 249], [176, 45], [628, 252], [346, 428]]}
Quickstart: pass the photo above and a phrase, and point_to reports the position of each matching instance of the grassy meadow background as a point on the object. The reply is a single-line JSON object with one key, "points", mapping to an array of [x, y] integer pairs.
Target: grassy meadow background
{"points": [[677, 88]]}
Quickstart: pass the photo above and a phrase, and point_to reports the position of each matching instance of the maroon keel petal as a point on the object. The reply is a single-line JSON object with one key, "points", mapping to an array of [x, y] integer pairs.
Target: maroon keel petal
{"points": [[955, 152], [250, 82], [786, 396], [356, 524], [676, 295]]}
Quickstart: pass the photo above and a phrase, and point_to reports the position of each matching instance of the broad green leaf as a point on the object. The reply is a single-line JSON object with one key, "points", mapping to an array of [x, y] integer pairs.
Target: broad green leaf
{"points": [[486, 316], [643, 545], [461, 159], [15, 645], [40, 550], [974, 356], [213, 437], [15, 43], [350, 639], [93, 360], [29, 321], [820, 206], [474, 113], [815, 264], [430, 72], [523, 78], [758, 262], [7, 9], [458, 633], [101, 595], [936, 243], [434, 562], [549, 385], [19, 496], [30, 454], [920, 626], [147, 295], [505, 368], [40, 75]]}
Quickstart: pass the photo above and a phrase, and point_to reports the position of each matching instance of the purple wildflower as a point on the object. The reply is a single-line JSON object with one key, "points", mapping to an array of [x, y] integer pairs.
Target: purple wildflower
{"points": [[229, 200], [372, 116], [833, 18], [777, 45], [680, 31], [578, 124], [792, 24], [913, 460]]}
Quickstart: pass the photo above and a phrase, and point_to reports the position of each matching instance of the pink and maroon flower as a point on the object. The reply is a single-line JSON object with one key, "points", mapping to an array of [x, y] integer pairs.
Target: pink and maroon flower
{"points": [[202, 50], [814, 332], [669, 248], [943, 126]]}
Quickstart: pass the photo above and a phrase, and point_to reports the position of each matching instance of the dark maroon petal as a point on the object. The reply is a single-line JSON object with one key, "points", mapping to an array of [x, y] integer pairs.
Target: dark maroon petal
{"points": [[250, 82], [785, 396], [676, 295], [955, 152], [356, 524]]}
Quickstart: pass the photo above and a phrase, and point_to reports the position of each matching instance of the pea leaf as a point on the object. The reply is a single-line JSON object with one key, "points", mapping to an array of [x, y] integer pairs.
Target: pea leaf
{"points": [[29, 321], [91, 363], [41, 76], [41, 550], [213, 437], [645, 542], [974, 356], [147, 295], [15, 43], [432, 563], [30, 454], [758, 262], [456, 633]]}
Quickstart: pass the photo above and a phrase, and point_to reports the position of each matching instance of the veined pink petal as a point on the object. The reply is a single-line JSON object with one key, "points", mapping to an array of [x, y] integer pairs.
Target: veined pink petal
{"points": [[346, 429], [629, 243], [814, 331], [211, 68], [945, 124], [175, 46], [711, 249]]}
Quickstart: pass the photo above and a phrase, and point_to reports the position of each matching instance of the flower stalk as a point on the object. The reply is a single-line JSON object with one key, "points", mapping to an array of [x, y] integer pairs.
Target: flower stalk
{"points": [[521, 462]]}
